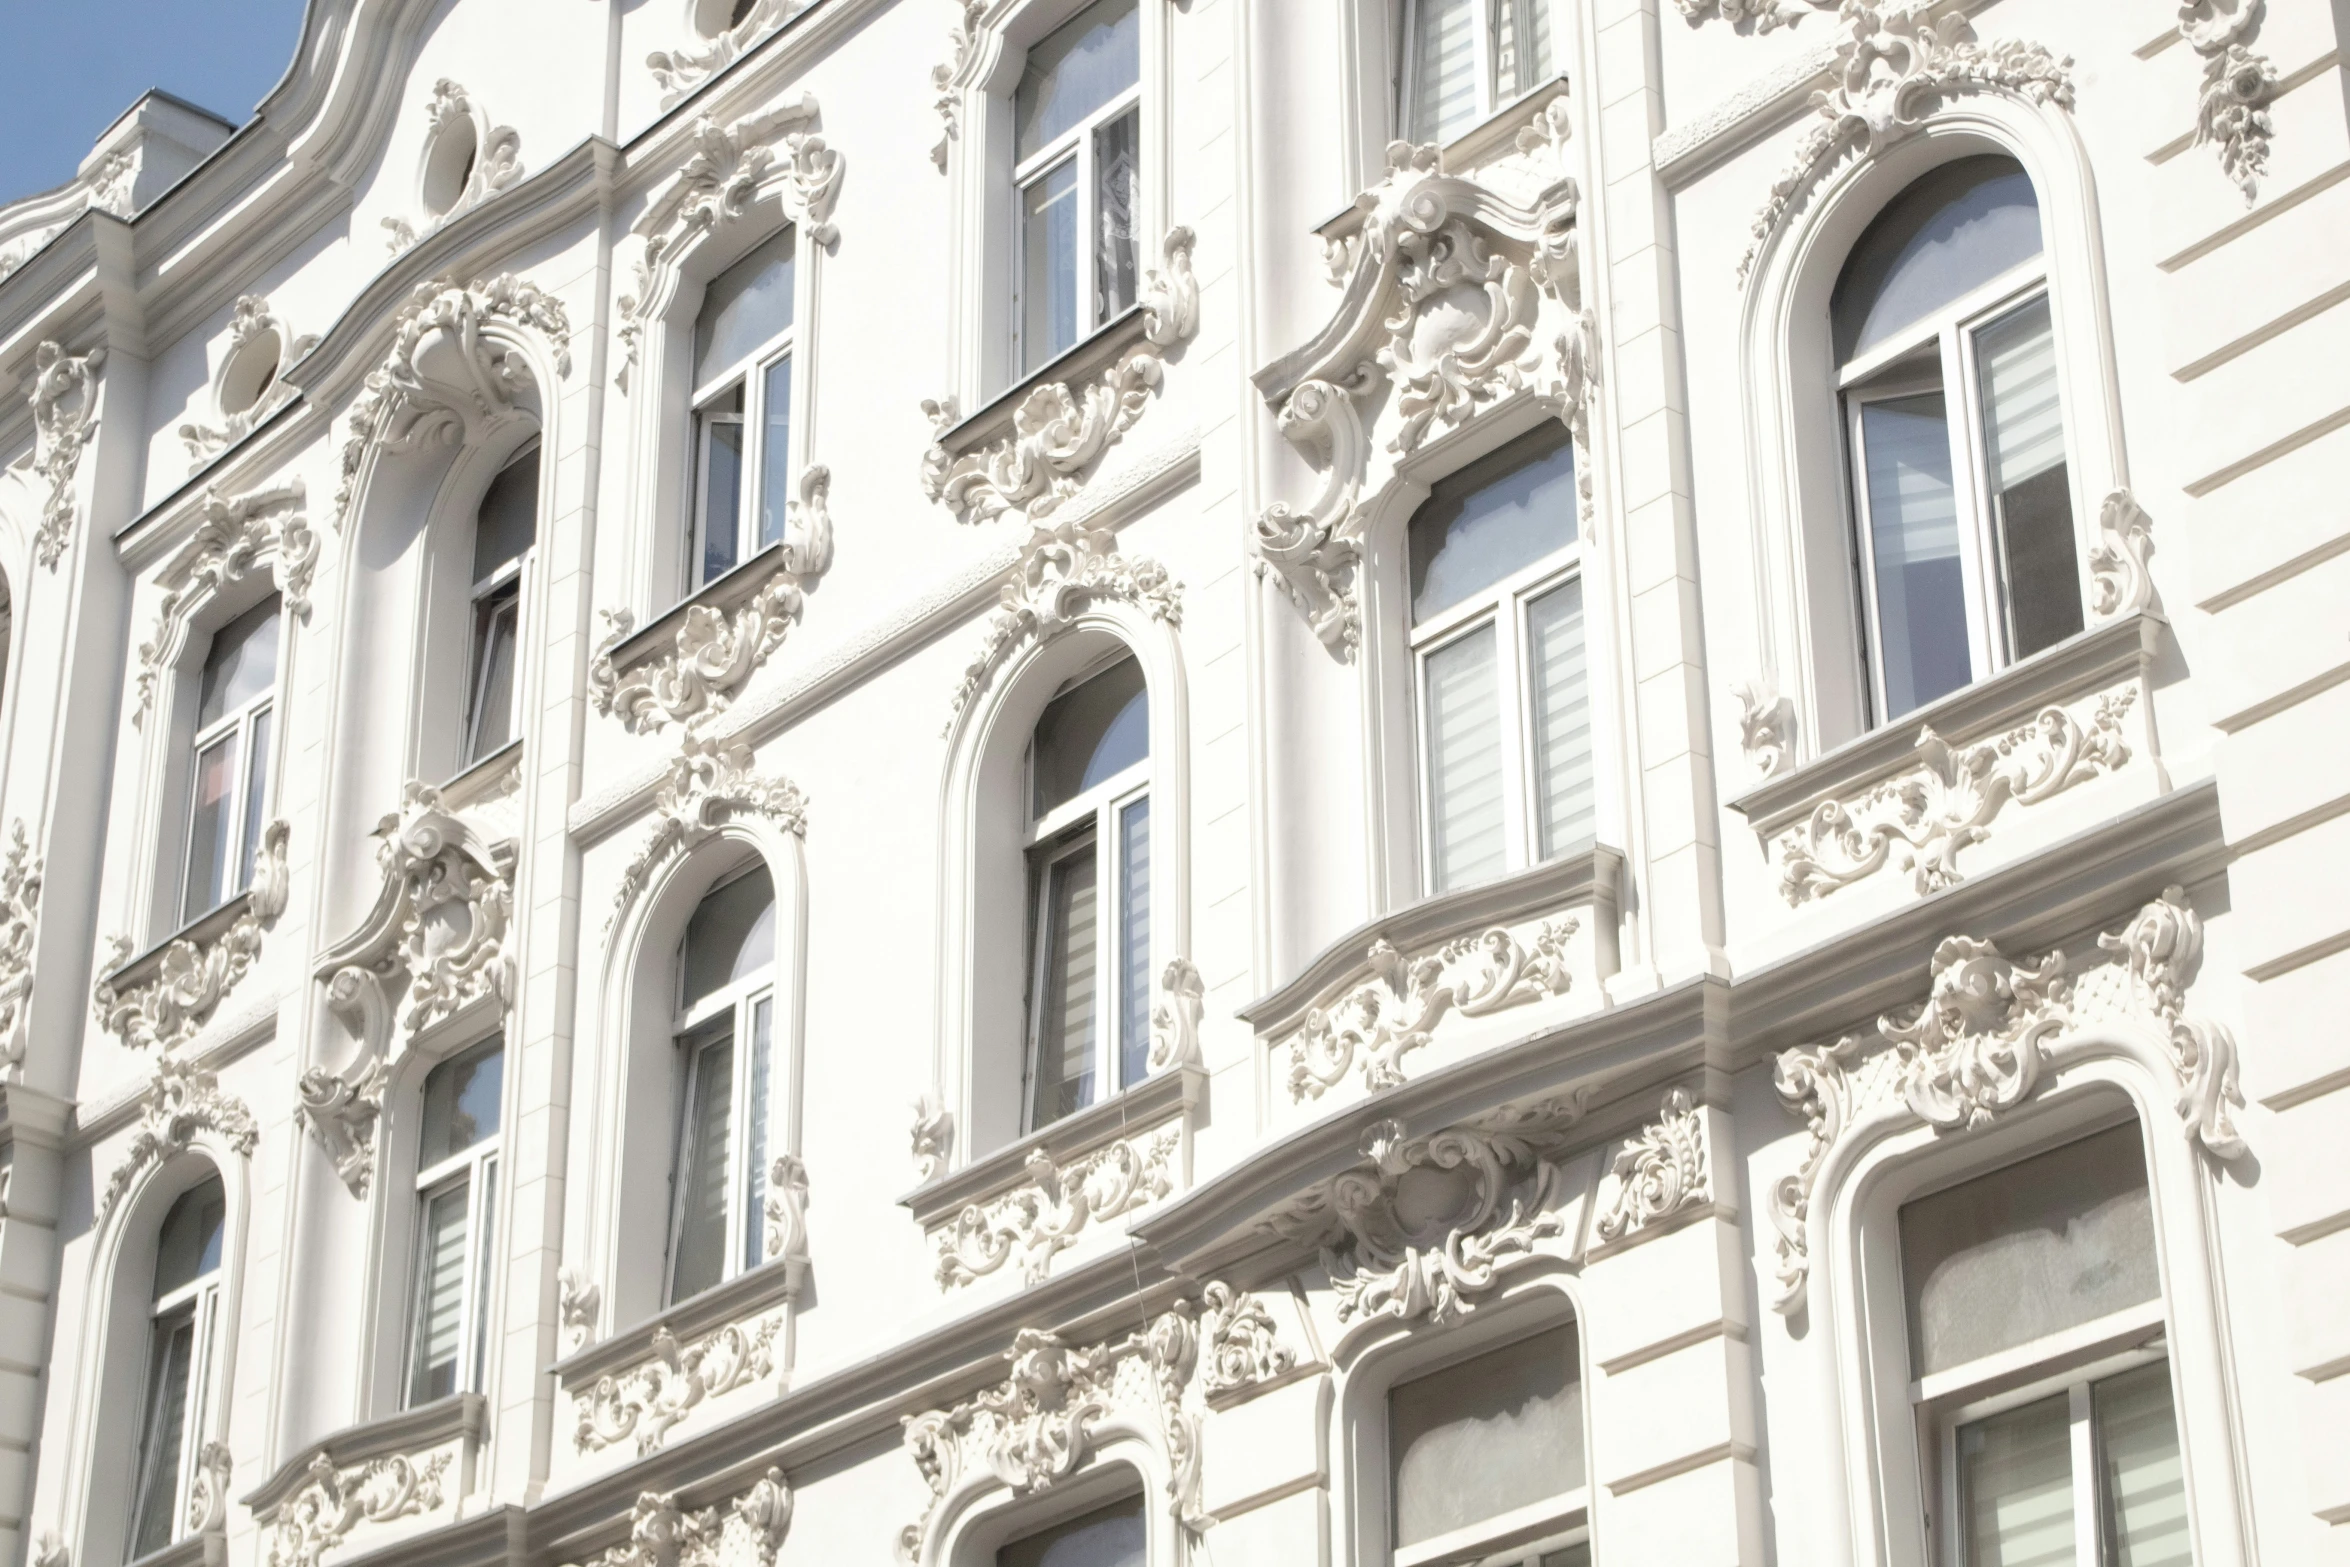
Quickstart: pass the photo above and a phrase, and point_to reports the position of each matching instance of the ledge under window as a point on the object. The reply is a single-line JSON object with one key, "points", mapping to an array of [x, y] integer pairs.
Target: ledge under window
{"points": [[201, 930], [723, 594], [1082, 362], [746, 1295], [460, 1415], [1153, 1100], [493, 775]]}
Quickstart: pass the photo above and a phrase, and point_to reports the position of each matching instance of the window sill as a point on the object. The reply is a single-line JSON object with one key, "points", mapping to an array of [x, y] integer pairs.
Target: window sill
{"points": [[1140, 1109], [210, 1549], [199, 932], [1495, 136], [725, 595], [2104, 654], [462, 1416], [739, 1299], [496, 774], [1078, 363]]}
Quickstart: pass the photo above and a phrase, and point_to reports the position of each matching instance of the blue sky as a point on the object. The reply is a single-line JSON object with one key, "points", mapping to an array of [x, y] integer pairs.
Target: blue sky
{"points": [[69, 67]]}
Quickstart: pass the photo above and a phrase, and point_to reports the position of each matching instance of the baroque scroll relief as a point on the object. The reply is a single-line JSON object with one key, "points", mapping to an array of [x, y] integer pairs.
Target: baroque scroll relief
{"points": [[579, 1304], [1989, 1033], [334, 1500], [410, 400], [65, 411], [1376, 1024], [20, 923], [2239, 83], [1766, 726], [233, 535], [466, 161], [1762, 16], [709, 783], [1065, 569], [1244, 1347], [1175, 1021], [648, 1400], [677, 72], [948, 80], [246, 389], [1454, 298], [747, 1532], [1043, 1422], [1051, 1208], [1894, 65], [1659, 1172], [1060, 431], [192, 974], [1485, 1194], [182, 1099], [933, 1135]]}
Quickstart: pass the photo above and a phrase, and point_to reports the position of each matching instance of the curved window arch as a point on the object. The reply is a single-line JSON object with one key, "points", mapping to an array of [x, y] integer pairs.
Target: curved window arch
{"points": [[505, 529], [1948, 378], [175, 1393], [723, 1025]]}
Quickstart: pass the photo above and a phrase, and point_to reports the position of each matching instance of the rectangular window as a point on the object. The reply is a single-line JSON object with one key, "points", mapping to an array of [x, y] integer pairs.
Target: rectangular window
{"points": [[174, 1399], [170, 1364], [229, 779], [456, 1185], [1917, 574], [504, 528], [1111, 1536], [1468, 59], [1077, 143], [1467, 835], [2030, 485], [742, 410], [1134, 940], [1485, 1459], [697, 1255]]}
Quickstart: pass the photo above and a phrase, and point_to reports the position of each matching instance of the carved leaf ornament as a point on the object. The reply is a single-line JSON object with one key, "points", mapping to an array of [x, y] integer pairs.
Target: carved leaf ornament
{"points": [[646, 1402], [249, 321], [1064, 570], [748, 1532], [192, 976], [182, 1099], [1659, 1172], [709, 784], [677, 72], [1985, 1039], [1049, 1211], [20, 923], [65, 411], [1244, 1348], [333, 1501], [232, 536], [2239, 84]]}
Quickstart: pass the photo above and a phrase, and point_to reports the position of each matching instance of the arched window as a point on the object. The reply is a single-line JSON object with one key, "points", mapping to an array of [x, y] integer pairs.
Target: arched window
{"points": [[1503, 706], [724, 1027], [235, 703], [456, 1197], [2038, 1363], [1088, 844], [183, 1337], [1467, 59], [1961, 493], [1076, 153], [742, 411], [1485, 1458], [505, 526], [1111, 1536]]}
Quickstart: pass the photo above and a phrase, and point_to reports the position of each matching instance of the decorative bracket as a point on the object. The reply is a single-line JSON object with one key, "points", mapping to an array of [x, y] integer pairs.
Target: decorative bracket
{"points": [[65, 411]]}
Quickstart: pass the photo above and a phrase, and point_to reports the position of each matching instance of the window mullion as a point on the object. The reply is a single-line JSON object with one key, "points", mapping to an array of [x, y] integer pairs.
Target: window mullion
{"points": [[1109, 957], [2083, 1432], [1865, 550], [1516, 716], [1977, 574]]}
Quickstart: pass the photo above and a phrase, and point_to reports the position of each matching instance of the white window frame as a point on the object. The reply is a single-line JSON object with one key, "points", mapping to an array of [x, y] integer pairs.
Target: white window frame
{"points": [[749, 374], [517, 573], [746, 1187], [235, 725], [1951, 331], [200, 1297], [476, 1167], [1074, 144], [1045, 845], [1488, 105], [1504, 605]]}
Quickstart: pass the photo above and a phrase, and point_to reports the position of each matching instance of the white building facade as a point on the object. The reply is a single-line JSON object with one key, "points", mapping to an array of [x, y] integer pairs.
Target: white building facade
{"points": [[1114, 782]]}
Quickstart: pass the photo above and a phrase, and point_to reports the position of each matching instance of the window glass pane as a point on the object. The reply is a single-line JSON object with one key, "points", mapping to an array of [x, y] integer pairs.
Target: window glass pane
{"points": [[1477, 1439], [1495, 517], [747, 304], [2044, 1244], [165, 1428], [2141, 1487], [256, 798], [1521, 46], [508, 519], [485, 1224], [1048, 268], [775, 455], [1111, 1537], [2031, 490], [241, 664], [1954, 230], [1134, 942], [722, 490], [1074, 70], [697, 1247], [1913, 541], [1561, 719], [1465, 833], [731, 936], [1444, 69], [462, 1097], [1116, 153], [2015, 1482], [755, 1137], [188, 1247], [209, 857], [1090, 734], [1061, 1073], [438, 1335], [489, 720]]}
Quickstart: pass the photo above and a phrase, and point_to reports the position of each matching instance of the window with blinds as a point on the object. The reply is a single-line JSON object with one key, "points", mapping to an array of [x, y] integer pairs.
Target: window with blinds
{"points": [[1963, 506], [1485, 1460], [457, 1188], [1467, 59], [1503, 688], [176, 1399]]}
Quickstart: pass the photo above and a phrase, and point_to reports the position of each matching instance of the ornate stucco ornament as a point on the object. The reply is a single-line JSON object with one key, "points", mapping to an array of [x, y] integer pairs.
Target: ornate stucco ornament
{"points": [[107, 188], [947, 80], [578, 1305], [933, 1135], [1243, 1346], [2239, 83], [1041, 1424], [2120, 580], [1049, 1211], [1766, 726], [495, 164], [746, 1533], [772, 152], [1984, 1040], [192, 975], [331, 1501], [65, 411], [1399, 1009], [1659, 1172], [181, 1099], [1894, 64], [49, 1551], [786, 1213], [1064, 569], [208, 1490], [647, 1401], [1455, 298], [709, 784], [250, 321], [1175, 1021], [341, 1113], [1762, 15], [1921, 818], [406, 403], [677, 72], [1060, 431], [20, 923], [232, 536], [1485, 1194]]}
